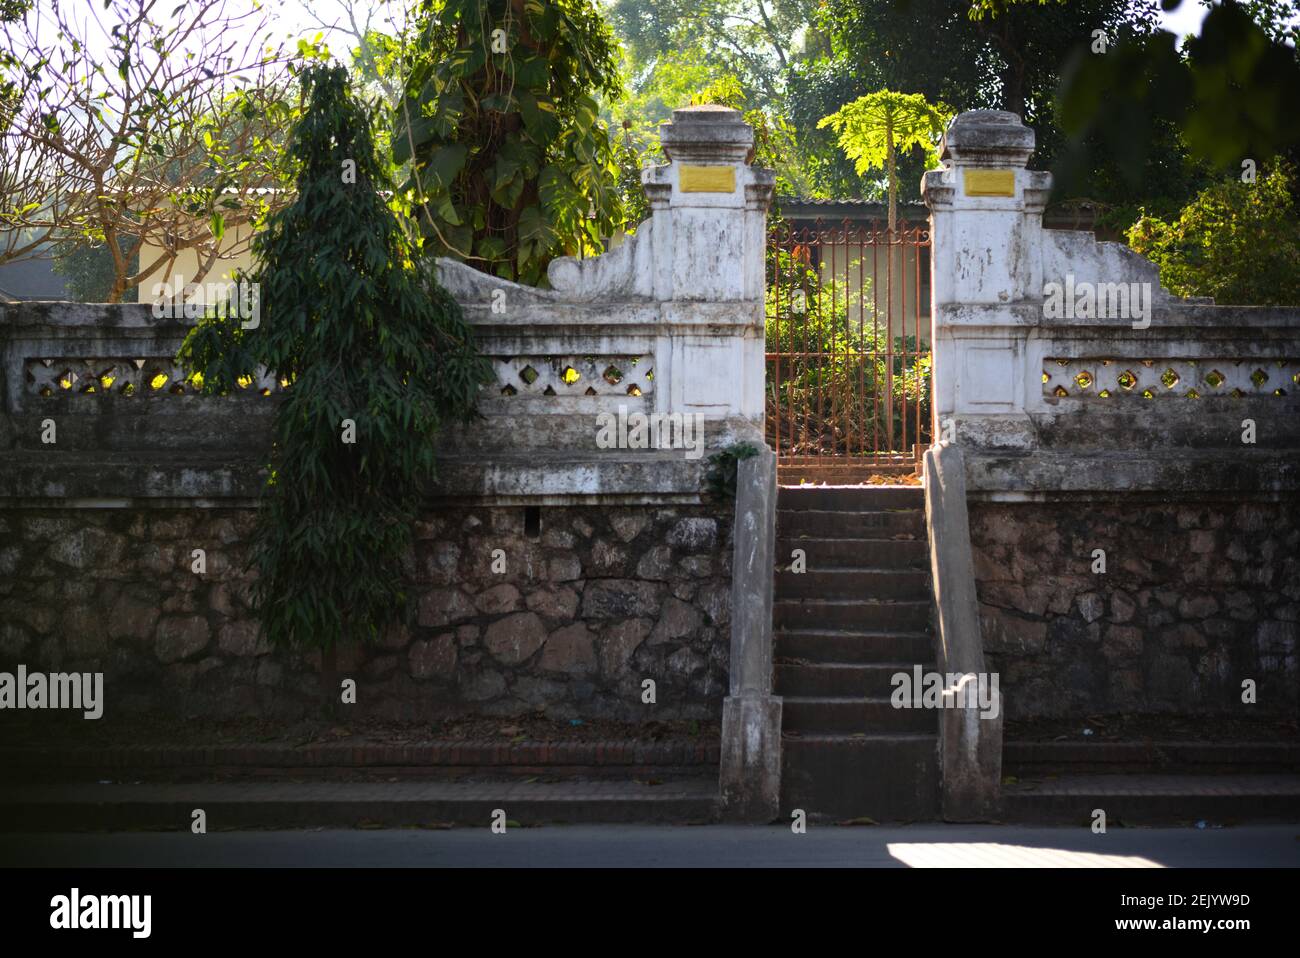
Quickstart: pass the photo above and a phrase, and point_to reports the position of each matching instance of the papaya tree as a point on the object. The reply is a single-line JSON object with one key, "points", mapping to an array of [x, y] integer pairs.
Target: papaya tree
{"points": [[509, 163], [374, 358], [875, 128]]}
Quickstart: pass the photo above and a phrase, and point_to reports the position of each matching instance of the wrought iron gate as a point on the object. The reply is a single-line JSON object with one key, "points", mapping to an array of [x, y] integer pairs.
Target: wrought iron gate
{"points": [[848, 355]]}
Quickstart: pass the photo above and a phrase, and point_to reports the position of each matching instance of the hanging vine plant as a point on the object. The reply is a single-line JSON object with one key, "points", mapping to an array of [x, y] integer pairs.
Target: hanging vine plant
{"points": [[509, 166], [376, 358]]}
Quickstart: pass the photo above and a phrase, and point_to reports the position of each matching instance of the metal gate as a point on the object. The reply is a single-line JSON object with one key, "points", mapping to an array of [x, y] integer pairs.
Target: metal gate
{"points": [[848, 354]]}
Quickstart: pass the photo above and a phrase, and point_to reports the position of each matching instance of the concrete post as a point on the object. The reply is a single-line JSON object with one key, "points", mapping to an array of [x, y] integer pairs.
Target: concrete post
{"points": [[750, 772], [970, 743]]}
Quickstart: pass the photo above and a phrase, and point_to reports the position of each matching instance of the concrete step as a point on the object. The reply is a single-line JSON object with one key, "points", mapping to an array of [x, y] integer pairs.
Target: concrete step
{"points": [[850, 498], [346, 805], [851, 615], [856, 553], [882, 777], [853, 647], [1040, 759], [1153, 799], [852, 714], [853, 583], [832, 524], [839, 679], [362, 761]]}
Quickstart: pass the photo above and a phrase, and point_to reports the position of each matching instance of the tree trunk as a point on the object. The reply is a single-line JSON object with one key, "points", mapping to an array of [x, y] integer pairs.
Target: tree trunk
{"points": [[893, 179]]}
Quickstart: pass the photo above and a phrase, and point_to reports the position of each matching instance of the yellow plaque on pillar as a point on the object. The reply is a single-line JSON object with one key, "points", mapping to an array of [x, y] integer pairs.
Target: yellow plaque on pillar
{"points": [[990, 182], [707, 179]]}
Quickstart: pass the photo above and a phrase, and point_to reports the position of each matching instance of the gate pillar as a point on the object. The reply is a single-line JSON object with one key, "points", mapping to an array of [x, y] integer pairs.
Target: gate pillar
{"points": [[986, 214]]}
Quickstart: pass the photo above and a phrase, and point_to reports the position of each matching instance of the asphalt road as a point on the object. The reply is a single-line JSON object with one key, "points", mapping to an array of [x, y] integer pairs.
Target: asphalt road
{"points": [[649, 846]]}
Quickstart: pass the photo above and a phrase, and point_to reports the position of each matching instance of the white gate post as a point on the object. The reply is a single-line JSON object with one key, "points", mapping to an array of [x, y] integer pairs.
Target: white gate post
{"points": [[986, 213]]}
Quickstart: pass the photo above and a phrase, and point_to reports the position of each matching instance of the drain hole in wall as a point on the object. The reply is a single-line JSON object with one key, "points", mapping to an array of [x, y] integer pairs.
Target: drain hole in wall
{"points": [[533, 521]]}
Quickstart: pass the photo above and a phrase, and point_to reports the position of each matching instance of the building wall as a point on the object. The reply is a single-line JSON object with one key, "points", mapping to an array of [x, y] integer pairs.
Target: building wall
{"points": [[235, 256]]}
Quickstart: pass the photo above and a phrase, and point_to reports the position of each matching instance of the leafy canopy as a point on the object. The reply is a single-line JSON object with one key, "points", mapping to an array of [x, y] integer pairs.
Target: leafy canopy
{"points": [[1238, 242], [874, 129], [356, 333]]}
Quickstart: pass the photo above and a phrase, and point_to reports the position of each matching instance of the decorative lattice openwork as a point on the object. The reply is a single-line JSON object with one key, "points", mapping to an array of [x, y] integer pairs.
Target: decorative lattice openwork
{"points": [[156, 376], [575, 376], [1158, 378]]}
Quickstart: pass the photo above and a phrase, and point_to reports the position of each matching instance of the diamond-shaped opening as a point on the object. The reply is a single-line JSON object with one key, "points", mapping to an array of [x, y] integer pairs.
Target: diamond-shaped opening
{"points": [[1104, 394], [67, 379], [1170, 378], [1046, 378], [591, 391], [548, 391], [158, 381], [508, 390], [1193, 394], [1127, 380], [570, 376], [612, 375], [128, 389], [650, 375], [264, 391], [243, 382], [1259, 377], [529, 375], [1148, 394], [107, 378], [1214, 379], [1059, 391], [634, 390], [1083, 379]]}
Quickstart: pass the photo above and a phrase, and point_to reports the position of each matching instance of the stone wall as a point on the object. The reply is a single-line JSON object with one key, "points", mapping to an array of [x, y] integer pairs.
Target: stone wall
{"points": [[598, 600], [1196, 597], [113, 469]]}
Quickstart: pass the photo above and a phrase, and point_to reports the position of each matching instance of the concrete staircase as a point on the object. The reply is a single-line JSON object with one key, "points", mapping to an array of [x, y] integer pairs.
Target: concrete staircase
{"points": [[860, 613]]}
